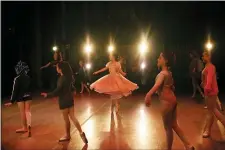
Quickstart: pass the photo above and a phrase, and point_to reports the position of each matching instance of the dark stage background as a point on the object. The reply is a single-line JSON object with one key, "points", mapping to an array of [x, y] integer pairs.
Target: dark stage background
{"points": [[30, 29]]}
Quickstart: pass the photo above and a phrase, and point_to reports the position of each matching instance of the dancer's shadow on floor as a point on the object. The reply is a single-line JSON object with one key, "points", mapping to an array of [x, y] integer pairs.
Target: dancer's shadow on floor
{"points": [[64, 146], [115, 139]]}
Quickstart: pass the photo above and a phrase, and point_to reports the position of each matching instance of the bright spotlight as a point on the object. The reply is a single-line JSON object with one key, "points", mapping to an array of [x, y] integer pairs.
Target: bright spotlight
{"points": [[54, 48], [143, 47], [88, 66], [110, 48], [209, 46], [143, 65], [88, 48]]}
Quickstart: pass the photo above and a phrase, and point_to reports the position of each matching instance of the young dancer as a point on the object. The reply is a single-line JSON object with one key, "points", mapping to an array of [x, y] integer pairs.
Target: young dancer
{"points": [[164, 86], [21, 95], [113, 84], [209, 83], [195, 69], [66, 102], [83, 77]]}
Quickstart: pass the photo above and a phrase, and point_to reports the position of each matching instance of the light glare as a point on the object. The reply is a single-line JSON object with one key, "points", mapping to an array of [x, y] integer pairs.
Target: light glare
{"points": [[54, 48], [143, 65], [88, 66]]}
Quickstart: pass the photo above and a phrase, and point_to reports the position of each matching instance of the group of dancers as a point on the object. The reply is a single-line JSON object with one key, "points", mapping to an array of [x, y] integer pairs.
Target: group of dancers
{"points": [[117, 86]]}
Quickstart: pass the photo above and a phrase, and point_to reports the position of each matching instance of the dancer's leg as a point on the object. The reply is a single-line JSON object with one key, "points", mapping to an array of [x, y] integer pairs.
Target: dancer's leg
{"points": [[194, 86], [21, 106], [74, 119], [178, 130], [28, 112], [77, 124], [82, 87], [65, 113], [28, 115], [212, 110], [167, 118]]}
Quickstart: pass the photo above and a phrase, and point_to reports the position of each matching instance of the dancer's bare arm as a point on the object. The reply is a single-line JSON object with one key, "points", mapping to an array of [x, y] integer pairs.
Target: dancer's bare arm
{"points": [[101, 70], [46, 66]]}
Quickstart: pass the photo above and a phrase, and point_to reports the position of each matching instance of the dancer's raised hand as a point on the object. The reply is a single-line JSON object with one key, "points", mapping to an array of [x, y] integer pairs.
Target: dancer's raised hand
{"points": [[44, 95]]}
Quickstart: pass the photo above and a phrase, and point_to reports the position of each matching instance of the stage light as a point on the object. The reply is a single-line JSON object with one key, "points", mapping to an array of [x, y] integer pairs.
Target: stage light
{"points": [[55, 48], [143, 65], [88, 48], [143, 47], [209, 46], [88, 66], [110, 48]]}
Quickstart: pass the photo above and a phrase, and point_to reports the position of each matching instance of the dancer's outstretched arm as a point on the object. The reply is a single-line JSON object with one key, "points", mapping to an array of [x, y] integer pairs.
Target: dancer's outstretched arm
{"points": [[101, 70], [46, 66]]}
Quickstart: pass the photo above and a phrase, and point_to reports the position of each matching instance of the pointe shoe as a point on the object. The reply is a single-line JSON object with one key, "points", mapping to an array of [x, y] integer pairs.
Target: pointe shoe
{"points": [[83, 137], [64, 139], [191, 148], [21, 130], [29, 131], [206, 134]]}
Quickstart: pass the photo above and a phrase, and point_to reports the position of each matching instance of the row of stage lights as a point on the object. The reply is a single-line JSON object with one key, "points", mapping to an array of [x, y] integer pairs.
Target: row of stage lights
{"points": [[143, 48]]}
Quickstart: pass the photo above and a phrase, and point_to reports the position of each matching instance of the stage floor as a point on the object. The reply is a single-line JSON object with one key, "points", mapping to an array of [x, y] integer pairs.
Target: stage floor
{"points": [[139, 127]]}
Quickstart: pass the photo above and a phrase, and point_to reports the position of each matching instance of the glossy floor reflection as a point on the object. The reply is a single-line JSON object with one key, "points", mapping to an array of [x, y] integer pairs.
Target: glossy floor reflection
{"points": [[137, 126]]}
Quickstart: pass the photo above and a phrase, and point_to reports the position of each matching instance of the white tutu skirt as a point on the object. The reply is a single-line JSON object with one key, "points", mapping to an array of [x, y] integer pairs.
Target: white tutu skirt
{"points": [[115, 85]]}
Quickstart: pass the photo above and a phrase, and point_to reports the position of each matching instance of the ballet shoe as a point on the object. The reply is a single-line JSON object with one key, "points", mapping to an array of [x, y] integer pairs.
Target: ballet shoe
{"points": [[29, 131], [21, 130], [64, 139], [206, 134], [83, 137]]}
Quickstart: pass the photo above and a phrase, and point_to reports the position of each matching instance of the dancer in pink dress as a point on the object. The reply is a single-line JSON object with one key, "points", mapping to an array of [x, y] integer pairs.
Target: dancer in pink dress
{"points": [[114, 84]]}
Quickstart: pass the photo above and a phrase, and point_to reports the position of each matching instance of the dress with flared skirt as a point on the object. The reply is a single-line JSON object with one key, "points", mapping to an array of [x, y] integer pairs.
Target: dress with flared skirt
{"points": [[114, 84]]}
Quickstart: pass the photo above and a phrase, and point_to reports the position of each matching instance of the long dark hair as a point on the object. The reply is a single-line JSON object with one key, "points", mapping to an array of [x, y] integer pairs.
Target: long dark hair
{"points": [[170, 57], [66, 69]]}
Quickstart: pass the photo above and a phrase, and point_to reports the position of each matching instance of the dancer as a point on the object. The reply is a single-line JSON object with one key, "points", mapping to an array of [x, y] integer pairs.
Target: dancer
{"points": [[83, 77], [57, 58], [209, 83], [22, 96], [195, 69], [113, 84], [164, 86], [66, 102]]}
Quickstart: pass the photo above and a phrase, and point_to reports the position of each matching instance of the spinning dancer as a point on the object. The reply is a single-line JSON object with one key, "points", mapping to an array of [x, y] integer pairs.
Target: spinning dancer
{"points": [[83, 77], [114, 84], [164, 86], [209, 83], [22, 96], [66, 102]]}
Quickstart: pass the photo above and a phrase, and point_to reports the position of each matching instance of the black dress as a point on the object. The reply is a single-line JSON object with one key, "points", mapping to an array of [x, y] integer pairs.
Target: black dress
{"points": [[21, 88], [63, 91], [82, 75]]}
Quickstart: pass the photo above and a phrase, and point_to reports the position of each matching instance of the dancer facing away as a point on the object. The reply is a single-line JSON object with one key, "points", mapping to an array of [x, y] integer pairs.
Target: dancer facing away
{"points": [[66, 102], [113, 84], [195, 69], [209, 83], [164, 86], [83, 77], [22, 96]]}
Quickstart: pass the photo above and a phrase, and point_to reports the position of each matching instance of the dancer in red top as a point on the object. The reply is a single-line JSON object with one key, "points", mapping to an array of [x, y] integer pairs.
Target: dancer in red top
{"points": [[209, 83]]}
